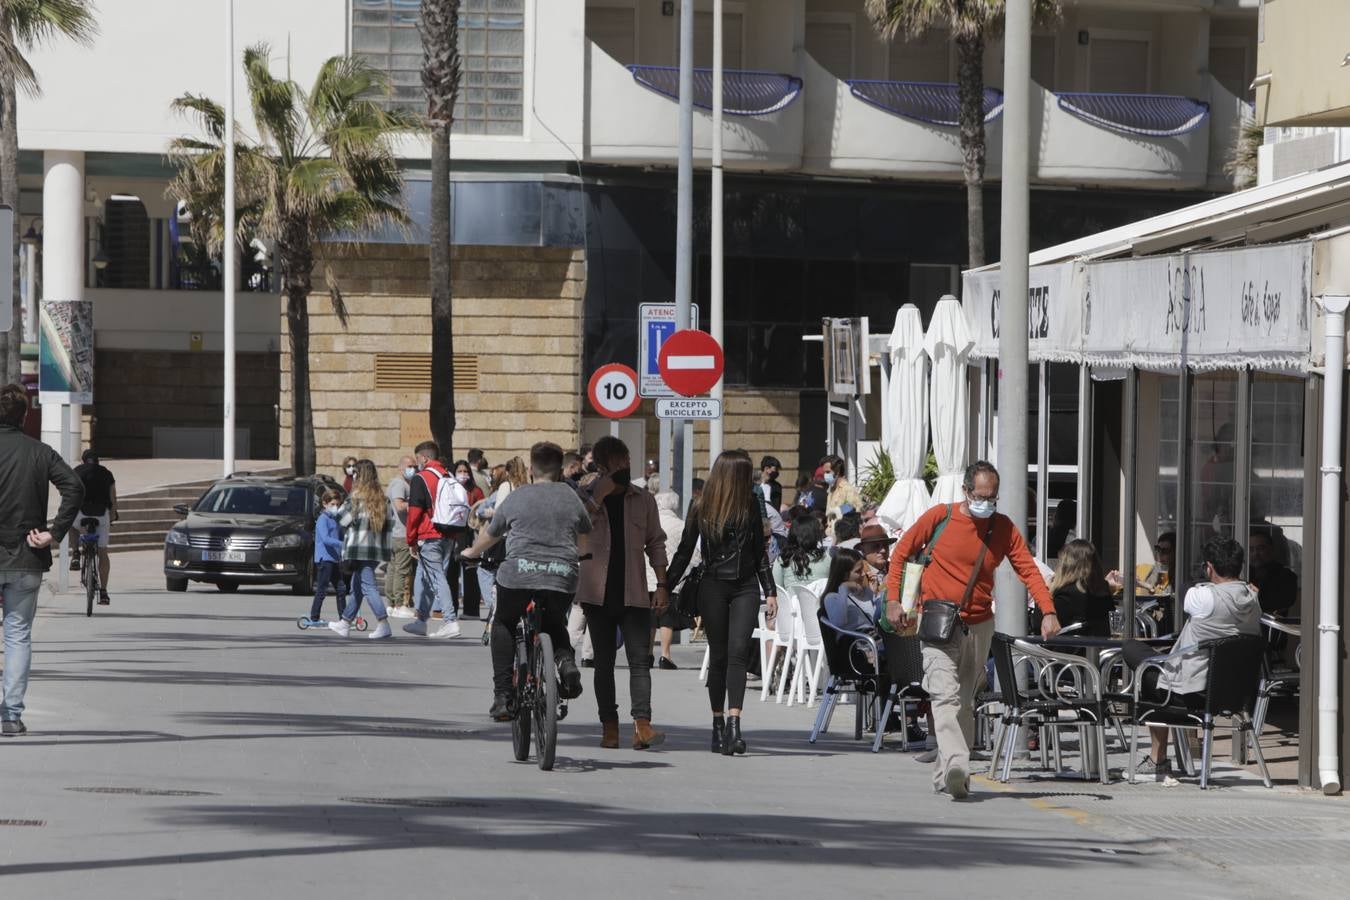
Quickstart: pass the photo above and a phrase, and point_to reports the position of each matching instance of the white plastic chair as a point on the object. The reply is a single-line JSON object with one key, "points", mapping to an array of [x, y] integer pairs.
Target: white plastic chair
{"points": [[806, 679], [784, 638]]}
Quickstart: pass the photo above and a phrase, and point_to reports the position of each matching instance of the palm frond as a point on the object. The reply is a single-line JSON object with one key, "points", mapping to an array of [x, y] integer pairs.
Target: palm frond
{"points": [[273, 100], [961, 18], [38, 21]]}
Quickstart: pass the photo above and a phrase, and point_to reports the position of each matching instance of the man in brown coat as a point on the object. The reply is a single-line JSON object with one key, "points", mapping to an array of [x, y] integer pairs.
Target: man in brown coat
{"points": [[625, 528]]}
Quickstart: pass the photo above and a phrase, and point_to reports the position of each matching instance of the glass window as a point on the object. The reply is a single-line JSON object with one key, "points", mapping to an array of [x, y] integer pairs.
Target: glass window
{"points": [[1277, 466], [1213, 451], [492, 48]]}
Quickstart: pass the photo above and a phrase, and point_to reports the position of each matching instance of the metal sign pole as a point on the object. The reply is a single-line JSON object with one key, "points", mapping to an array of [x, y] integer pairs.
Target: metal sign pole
{"points": [[684, 227], [227, 439]]}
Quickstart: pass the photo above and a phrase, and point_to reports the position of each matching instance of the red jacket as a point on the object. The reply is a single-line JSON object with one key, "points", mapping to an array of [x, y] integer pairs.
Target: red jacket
{"points": [[422, 504], [953, 558]]}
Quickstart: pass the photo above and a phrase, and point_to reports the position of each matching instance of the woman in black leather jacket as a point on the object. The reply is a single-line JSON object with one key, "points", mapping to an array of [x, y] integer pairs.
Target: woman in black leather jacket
{"points": [[735, 575]]}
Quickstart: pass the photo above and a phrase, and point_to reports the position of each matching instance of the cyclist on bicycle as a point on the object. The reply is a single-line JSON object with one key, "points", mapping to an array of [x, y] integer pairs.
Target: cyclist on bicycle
{"points": [[540, 523], [100, 502]]}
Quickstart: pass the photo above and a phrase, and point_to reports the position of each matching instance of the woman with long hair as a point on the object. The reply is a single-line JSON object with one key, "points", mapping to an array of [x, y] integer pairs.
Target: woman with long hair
{"points": [[1080, 589], [803, 560], [735, 575], [366, 524], [843, 497]]}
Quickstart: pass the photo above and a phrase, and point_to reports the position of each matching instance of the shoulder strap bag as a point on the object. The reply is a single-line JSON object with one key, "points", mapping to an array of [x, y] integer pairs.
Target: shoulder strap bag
{"points": [[940, 618]]}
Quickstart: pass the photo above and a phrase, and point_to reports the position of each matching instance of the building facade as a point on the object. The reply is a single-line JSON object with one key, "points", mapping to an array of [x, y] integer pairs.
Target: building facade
{"points": [[844, 198]]}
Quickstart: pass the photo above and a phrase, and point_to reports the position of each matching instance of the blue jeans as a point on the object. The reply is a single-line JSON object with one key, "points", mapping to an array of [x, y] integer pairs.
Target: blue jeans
{"points": [[327, 572], [364, 586], [432, 588], [487, 586], [21, 592]]}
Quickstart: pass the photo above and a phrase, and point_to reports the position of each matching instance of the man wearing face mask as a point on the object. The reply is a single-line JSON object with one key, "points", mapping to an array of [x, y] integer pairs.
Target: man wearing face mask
{"points": [[398, 576], [972, 533], [626, 534], [769, 470]]}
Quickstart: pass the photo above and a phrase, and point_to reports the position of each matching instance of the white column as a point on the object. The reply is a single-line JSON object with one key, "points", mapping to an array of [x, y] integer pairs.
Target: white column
{"points": [[63, 252]]}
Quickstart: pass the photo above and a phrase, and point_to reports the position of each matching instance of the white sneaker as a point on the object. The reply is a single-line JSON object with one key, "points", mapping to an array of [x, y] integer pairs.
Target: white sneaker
{"points": [[450, 629], [382, 630], [927, 756], [416, 626], [402, 612], [341, 628]]}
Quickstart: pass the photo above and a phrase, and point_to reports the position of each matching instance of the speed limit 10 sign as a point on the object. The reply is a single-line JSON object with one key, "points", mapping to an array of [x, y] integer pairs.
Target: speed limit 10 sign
{"points": [[614, 391]]}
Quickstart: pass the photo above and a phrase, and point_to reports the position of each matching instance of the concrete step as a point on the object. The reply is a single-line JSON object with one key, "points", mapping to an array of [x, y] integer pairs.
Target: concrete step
{"points": [[144, 518]]}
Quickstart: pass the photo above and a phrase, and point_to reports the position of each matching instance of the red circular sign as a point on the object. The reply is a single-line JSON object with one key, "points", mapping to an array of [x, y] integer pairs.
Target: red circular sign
{"points": [[614, 391], [690, 362]]}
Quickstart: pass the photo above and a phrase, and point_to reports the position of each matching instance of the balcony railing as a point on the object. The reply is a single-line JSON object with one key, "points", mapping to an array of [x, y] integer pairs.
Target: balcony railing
{"points": [[936, 103], [744, 92], [1146, 115]]}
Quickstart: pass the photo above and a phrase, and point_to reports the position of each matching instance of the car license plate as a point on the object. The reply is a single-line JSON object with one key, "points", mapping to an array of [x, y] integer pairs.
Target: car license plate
{"points": [[229, 556]]}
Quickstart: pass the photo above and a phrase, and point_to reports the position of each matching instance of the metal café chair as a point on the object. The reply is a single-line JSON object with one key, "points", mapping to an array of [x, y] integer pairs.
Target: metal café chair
{"points": [[847, 676], [1234, 675]]}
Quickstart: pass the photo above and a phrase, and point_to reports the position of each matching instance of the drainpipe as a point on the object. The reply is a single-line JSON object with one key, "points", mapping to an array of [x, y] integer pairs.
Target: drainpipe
{"points": [[1329, 555]]}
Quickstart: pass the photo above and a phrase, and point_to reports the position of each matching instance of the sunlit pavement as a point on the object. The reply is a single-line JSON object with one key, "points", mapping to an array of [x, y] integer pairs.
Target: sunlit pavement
{"points": [[200, 745]]}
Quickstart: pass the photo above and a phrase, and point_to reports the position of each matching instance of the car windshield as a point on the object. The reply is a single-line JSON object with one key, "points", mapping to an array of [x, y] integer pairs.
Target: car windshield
{"points": [[255, 500]]}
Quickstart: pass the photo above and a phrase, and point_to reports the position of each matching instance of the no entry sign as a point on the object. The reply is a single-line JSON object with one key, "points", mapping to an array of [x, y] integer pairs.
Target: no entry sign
{"points": [[614, 391], [691, 362]]}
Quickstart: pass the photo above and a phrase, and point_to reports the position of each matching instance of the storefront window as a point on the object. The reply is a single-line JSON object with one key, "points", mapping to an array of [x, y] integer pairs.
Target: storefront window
{"points": [[1277, 466], [1213, 491]]}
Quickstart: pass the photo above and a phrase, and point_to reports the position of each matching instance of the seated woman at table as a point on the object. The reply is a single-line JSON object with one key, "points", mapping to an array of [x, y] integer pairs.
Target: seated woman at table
{"points": [[1080, 590], [849, 602]]}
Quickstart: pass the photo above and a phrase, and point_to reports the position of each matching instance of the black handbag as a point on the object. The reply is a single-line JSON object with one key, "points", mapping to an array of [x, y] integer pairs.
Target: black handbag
{"points": [[684, 600], [940, 618]]}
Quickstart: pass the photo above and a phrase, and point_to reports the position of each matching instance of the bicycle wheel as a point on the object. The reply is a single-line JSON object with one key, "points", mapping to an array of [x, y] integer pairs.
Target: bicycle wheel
{"points": [[520, 723], [90, 578], [545, 702]]}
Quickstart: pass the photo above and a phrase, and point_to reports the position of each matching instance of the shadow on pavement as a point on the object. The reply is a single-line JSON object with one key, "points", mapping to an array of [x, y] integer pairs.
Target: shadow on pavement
{"points": [[519, 825]]}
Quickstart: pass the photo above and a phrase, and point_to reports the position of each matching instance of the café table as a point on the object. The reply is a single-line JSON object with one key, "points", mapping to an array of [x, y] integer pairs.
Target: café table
{"points": [[1093, 647]]}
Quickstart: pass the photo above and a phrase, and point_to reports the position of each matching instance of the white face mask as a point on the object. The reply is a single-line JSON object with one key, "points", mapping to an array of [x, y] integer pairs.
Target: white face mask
{"points": [[982, 509], [829, 478], [332, 509], [464, 477], [409, 472], [351, 470]]}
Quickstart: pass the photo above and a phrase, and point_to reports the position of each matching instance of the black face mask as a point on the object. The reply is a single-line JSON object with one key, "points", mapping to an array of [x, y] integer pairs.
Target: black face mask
{"points": [[622, 477], [591, 466]]}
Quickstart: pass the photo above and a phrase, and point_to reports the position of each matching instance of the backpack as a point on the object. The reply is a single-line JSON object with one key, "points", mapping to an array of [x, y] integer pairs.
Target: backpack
{"points": [[450, 507]]}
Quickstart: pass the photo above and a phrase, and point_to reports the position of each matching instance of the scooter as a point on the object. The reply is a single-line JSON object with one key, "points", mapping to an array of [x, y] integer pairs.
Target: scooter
{"points": [[305, 622]]}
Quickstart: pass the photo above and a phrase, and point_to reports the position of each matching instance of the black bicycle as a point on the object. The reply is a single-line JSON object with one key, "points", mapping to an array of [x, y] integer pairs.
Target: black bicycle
{"points": [[89, 563], [537, 705]]}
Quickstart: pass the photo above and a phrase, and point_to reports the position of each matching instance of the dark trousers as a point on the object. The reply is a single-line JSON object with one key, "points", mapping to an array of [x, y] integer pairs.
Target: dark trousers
{"points": [[460, 540], [636, 624], [730, 611], [326, 573], [511, 606]]}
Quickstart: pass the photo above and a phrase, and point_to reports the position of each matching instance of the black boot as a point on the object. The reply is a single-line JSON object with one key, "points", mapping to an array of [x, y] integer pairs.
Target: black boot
{"points": [[732, 742], [719, 726]]}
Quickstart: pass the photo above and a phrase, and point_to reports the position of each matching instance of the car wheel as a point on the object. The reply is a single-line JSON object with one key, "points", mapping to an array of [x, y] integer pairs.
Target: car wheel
{"points": [[227, 587], [177, 585], [305, 584]]}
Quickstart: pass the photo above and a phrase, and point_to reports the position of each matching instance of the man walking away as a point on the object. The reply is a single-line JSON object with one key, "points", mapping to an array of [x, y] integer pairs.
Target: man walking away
{"points": [[625, 527], [26, 468], [100, 502], [973, 542], [540, 523], [398, 575], [428, 545]]}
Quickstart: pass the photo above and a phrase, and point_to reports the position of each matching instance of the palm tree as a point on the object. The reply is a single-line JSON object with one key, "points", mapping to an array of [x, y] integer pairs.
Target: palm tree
{"points": [[322, 165], [970, 23], [23, 25], [440, 78]]}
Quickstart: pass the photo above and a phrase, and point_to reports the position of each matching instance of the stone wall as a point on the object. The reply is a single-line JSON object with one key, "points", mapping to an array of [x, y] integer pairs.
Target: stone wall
{"points": [[517, 309]]}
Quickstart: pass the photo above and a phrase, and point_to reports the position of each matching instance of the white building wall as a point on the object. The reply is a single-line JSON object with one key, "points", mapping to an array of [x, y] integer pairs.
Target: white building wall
{"points": [[115, 95]]}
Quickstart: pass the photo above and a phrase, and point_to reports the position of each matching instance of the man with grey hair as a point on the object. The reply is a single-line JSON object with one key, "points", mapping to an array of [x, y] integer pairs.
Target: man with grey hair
{"points": [[965, 543]]}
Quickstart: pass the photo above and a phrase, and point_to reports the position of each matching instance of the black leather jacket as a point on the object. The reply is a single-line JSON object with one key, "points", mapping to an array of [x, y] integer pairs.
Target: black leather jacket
{"points": [[26, 468], [735, 554]]}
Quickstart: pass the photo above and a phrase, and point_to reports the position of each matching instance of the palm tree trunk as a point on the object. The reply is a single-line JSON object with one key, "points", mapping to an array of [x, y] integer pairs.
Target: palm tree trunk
{"points": [[11, 343], [295, 256], [442, 411], [970, 93]]}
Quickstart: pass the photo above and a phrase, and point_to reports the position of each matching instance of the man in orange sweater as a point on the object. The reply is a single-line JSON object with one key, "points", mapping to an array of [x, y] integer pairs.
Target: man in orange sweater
{"points": [[953, 672]]}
